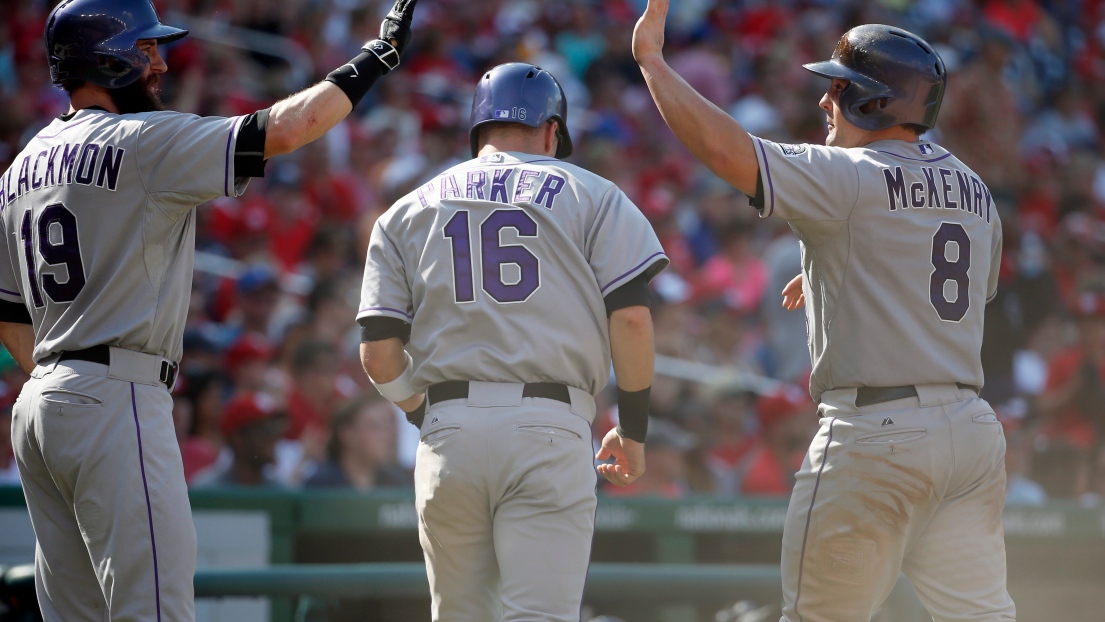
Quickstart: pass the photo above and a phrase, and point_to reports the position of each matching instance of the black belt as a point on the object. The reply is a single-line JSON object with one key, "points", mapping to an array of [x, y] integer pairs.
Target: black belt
{"points": [[102, 354], [458, 390], [866, 396]]}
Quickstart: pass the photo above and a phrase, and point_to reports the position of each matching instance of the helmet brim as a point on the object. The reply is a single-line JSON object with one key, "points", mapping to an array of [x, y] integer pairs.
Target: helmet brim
{"points": [[834, 69], [160, 33]]}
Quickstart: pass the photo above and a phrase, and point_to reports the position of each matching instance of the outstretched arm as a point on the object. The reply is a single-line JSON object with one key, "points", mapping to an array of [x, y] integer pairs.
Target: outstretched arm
{"points": [[310, 113], [715, 138]]}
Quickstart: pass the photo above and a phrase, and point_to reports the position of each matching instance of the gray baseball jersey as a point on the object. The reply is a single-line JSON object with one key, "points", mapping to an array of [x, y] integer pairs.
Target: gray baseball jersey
{"points": [[883, 310], [98, 242], [501, 264], [99, 226]]}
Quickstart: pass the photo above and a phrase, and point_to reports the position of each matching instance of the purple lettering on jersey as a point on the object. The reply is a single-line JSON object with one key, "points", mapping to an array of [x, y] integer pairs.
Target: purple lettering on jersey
{"points": [[3, 191], [50, 165], [24, 184], [549, 190], [523, 192], [933, 197], [89, 155], [36, 181], [916, 192], [946, 188], [498, 185], [68, 163], [449, 187], [895, 188], [476, 180], [8, 190], [964, 182], [989, 201], [978, 196], [109, 167], [423, 191]]}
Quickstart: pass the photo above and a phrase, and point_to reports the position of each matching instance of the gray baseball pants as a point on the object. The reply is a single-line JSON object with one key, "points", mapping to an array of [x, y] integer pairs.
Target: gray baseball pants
{"points": [[914, 485], [104, 483], [505, 491]]}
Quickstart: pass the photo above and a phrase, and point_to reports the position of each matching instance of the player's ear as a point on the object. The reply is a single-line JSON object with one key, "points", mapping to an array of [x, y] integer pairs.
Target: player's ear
{"points": [[552, 137]]}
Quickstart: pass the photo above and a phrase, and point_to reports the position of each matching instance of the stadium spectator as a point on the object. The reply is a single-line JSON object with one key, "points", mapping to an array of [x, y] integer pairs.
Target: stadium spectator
{"points": [[361, 451], [788, 422], [251, 424]]}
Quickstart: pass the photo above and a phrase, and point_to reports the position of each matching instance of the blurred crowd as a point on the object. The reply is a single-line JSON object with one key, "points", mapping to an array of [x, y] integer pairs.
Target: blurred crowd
{"points": [[271, 392]]}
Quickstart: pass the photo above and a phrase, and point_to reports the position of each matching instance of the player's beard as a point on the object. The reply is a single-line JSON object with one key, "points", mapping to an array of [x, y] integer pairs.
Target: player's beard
{"points": [[139, 96]]}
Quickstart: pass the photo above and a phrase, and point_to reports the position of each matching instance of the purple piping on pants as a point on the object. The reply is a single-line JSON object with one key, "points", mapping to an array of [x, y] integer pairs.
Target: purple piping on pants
{"points": [[767, 172], [631, 271], [809, 515], [149, 508], [4, 291]]}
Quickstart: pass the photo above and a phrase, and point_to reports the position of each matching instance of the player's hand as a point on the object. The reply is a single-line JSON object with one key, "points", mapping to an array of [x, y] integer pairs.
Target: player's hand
{"points": [[648, 35], [793, 298], [628, 455], [396, 27]]}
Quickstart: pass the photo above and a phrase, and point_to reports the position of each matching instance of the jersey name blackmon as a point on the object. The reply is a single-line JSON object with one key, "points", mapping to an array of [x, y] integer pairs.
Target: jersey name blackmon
{"points": [[68, 163], [937, 188], [513, 184]]}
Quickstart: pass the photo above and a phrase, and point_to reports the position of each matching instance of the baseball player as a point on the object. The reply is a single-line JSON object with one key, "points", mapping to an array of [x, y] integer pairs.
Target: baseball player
{"points": [[513, 279], [900, 250], [98, 235]]}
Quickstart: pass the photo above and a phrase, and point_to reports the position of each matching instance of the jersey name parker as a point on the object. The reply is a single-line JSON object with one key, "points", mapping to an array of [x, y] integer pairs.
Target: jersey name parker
{"points": [[901, 245], [501, 264], [100, 207]]}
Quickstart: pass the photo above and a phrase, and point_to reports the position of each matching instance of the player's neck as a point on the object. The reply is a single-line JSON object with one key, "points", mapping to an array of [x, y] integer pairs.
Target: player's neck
{"points": [[896, 132], [89, 96]]}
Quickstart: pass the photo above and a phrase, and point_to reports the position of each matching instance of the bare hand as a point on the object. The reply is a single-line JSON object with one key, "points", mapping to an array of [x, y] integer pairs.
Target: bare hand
{"points": [[793, 298], [648, 35], [628, 455]]}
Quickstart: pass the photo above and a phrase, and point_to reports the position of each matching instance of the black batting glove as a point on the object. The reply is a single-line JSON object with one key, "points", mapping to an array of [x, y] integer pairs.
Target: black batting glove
{"points": [[397, 25]]}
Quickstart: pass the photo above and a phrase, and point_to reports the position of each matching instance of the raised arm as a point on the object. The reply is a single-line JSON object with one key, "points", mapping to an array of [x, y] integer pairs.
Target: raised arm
{"points": [[715, 138], [310, 113]]}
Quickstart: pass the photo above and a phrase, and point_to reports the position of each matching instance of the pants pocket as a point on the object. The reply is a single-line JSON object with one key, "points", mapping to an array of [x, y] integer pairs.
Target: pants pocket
{"points": [[435, 437], [893, 437], [69, 397], [549, 430]]}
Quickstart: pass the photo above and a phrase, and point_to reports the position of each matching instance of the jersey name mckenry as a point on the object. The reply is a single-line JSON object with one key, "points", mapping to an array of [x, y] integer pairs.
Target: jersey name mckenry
{"points": [[530, 185], [937, 188], [95, 163]]}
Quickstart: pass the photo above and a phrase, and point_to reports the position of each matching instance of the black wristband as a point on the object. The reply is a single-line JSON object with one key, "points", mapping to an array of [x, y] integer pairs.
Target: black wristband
{"points": [[357, 76], [418, 415], [633, 414]]}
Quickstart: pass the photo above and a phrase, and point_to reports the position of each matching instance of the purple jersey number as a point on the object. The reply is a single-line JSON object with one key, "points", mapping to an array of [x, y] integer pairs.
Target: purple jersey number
{"points": [[66, 251], [944, 270], [494, 256]]}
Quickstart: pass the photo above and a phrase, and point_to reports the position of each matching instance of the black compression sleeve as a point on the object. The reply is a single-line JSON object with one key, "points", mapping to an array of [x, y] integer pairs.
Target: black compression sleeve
{"points": [[249, 149], [631, 294], [357, 76], [14, 313], [379, 328], [758, 200]]}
